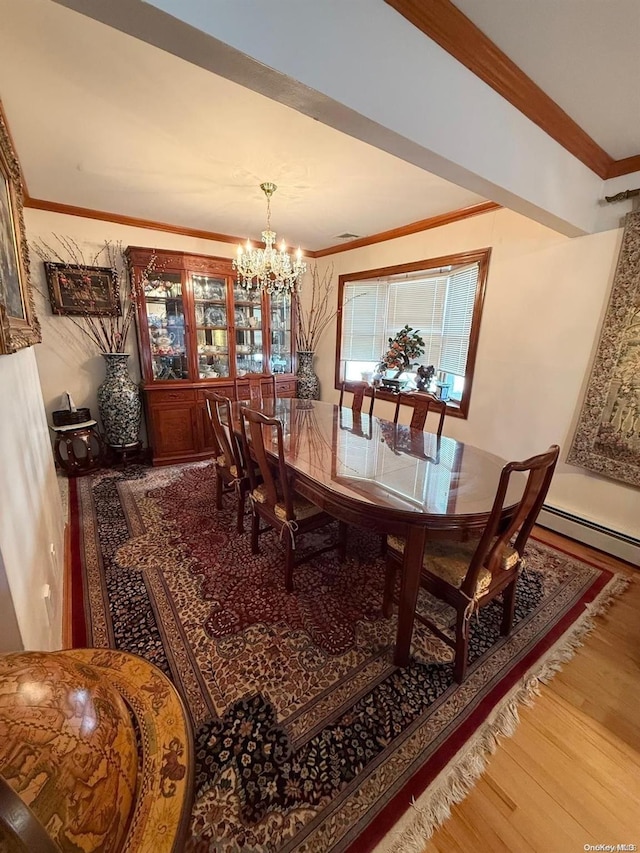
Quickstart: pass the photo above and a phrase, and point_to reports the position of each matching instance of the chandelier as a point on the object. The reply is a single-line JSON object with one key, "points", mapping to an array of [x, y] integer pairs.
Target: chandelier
{"points": [[270, 269]]}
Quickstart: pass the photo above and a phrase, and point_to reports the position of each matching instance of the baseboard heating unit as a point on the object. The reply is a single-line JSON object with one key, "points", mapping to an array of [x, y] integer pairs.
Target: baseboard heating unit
{"points": [[590, 533]]}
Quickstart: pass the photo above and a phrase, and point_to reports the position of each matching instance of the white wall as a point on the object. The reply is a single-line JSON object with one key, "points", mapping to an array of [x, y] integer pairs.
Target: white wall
{"points": [[545, 301], [31, 520]]}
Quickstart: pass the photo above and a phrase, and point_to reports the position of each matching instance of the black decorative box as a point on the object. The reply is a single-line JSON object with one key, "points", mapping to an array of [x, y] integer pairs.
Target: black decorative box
{"points": [[65, 417]]}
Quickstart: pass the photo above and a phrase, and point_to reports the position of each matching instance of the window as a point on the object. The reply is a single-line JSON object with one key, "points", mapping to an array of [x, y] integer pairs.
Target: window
{"points": [[440, 298]]}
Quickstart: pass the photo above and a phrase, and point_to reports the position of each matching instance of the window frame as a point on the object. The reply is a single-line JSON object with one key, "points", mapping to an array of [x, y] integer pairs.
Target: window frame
{"points": [[479, 256]]}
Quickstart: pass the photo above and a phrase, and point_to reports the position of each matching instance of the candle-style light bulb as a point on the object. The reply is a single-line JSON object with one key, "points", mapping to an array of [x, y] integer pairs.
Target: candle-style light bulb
{"points": [[283, 247], [240, 251]]}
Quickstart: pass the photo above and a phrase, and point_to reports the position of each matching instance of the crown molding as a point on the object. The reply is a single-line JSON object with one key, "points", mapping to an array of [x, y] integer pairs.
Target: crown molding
{"points": [[120, 219], [445, 24], [624, 167], [412, 228], [133, 221]]}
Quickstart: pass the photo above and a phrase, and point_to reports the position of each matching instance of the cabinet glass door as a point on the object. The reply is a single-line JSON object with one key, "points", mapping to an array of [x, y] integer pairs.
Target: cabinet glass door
{"points": [[247, 309], [212, 339], [165, 321], [281, 334]]}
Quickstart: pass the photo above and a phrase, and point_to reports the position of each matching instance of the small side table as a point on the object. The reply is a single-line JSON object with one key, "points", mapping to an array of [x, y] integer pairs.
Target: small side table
{"points": [[83, 448]]}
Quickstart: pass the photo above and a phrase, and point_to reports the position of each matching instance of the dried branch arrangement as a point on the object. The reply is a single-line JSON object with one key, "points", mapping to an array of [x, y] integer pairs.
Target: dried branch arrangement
{"points": [[107, 332], [313, 321]]}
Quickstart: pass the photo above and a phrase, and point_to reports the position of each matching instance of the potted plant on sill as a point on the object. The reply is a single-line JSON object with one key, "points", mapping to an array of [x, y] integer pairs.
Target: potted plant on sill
{"points": [[404, 347]]}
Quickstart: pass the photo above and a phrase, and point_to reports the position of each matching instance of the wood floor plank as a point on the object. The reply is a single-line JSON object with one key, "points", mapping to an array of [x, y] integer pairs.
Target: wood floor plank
{"points": [[570, 776]]}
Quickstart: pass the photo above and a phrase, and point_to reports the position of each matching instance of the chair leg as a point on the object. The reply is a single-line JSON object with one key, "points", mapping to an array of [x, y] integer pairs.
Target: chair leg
{"points": [[462, 648], [288, 562], [240, 511], [508, 608], [218, 490], [389, 585], [255, 532], [342, 541]]}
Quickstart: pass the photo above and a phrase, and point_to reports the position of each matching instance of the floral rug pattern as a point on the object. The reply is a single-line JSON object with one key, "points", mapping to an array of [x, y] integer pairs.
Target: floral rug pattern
{"points": [[307, 737]]}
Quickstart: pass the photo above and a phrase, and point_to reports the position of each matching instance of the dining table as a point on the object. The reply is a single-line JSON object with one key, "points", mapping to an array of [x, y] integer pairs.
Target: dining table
{"points": [[391, 479]]}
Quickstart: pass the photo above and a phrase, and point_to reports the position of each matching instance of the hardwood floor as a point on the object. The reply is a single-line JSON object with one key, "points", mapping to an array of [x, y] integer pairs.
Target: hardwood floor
{"points": [[570, 776]]}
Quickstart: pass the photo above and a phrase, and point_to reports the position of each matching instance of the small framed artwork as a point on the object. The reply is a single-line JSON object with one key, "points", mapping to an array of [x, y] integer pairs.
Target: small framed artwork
{"points": [[88, 291], [19, 325]]}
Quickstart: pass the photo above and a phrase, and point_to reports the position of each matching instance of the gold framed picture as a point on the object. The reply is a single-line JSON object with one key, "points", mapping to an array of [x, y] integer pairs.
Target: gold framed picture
{"points": [[19, 325]]}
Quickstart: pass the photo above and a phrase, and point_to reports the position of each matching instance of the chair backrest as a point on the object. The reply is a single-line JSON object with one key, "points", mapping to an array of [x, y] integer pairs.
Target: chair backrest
{"points": [[422, 403], [494, 540], [274, 489], [219, 412], [358, 390], [256, 387]]}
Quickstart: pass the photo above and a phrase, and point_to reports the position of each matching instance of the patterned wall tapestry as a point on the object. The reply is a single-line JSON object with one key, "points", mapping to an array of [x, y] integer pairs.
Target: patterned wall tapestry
{"points": [[607, 438]]}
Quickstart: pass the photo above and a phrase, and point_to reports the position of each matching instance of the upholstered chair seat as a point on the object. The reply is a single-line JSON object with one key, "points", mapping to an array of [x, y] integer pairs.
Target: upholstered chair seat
{"points": [[302, 508], [450, 561]]}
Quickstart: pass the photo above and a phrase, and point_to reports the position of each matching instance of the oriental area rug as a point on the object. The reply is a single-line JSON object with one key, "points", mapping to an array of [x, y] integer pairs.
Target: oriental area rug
{"points": [[307, 738]]}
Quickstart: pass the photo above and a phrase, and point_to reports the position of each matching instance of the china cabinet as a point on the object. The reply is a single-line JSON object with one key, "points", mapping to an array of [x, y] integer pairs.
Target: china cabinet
{"points": [[198, 330]]}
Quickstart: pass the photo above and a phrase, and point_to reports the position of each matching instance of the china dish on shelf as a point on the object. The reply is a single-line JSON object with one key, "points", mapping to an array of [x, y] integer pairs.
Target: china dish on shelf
{"points": [[214, 317], [241, 319]]}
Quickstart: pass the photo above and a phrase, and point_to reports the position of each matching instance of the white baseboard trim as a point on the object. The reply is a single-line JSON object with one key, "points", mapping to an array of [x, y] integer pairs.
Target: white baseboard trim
{"points": [[590, 533]]}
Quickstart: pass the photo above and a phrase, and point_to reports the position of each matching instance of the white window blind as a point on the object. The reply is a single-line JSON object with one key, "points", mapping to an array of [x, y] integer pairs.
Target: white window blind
{"points": [[437, 304], [458, 313], [419, 304], [363, 321]]}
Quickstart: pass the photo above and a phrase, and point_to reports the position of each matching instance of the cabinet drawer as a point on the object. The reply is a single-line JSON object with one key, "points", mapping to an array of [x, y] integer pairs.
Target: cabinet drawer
{"points": [[177, 395], [223, 390], [286, 388]]}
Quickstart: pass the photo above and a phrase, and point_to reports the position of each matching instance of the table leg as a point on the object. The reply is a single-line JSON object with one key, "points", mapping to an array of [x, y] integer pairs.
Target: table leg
{"points": [[411, 569]]}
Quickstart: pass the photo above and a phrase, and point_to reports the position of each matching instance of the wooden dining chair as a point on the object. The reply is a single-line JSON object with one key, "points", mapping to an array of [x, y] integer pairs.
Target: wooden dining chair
{"points": [[358, 389], [422, 403], [256, 387], [231, 475], [468, 575], [275, 500]]}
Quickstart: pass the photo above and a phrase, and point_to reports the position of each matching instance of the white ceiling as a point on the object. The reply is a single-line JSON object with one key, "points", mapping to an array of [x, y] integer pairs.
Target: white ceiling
{"points": [[585, 54], [103, 121]]}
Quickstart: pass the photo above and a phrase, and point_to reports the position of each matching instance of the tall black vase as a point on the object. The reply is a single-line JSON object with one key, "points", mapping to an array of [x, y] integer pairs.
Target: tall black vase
{"points": [[308, 382], [119, 402]]}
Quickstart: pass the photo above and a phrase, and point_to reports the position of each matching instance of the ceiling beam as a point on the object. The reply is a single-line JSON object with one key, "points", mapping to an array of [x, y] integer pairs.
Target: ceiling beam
{"points": [[445, 24], [385, 84]]}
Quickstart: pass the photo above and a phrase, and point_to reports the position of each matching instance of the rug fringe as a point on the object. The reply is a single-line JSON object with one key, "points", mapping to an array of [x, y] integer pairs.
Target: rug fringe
{"points": [[461, 774]]}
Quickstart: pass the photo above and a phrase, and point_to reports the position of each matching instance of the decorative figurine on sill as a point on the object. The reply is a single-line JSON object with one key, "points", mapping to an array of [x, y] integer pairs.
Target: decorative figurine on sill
{"points": [[424, 376], [403, 348]]}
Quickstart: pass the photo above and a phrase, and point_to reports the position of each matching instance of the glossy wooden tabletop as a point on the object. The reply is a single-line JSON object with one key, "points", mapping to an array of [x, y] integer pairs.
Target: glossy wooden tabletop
{"points": [[372, 461]]}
